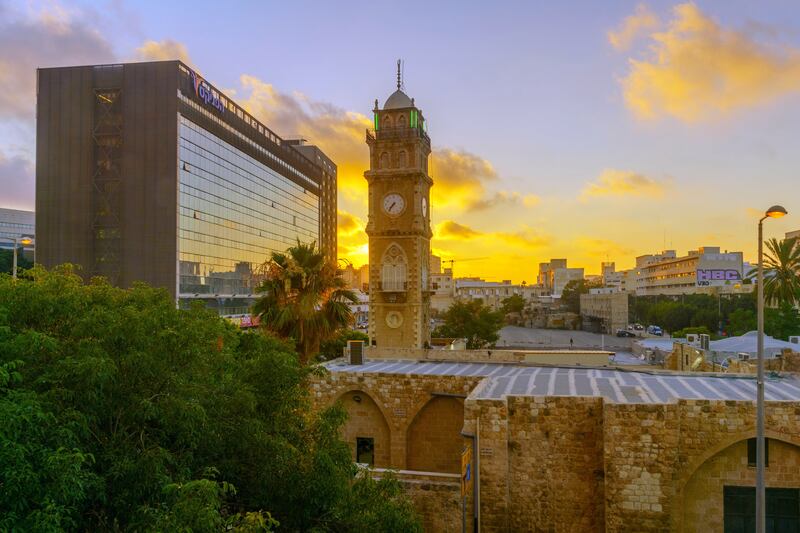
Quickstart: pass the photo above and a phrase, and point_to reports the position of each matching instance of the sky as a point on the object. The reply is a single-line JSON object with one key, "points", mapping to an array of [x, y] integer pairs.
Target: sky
{"points": [[594, 131]]}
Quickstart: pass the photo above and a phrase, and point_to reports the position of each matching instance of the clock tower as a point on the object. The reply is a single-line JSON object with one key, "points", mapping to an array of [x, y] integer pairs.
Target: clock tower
{"points": [[399, 226]]}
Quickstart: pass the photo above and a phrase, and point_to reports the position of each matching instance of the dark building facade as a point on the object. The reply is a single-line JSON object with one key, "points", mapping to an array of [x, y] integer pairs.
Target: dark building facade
{"points": [[146, 172]]}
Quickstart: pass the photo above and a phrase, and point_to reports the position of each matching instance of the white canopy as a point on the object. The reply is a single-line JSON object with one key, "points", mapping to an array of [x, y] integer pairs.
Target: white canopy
{"points": [[748, 343]]}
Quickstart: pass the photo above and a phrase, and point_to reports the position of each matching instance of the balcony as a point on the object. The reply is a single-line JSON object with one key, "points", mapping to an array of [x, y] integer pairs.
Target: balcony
{"points": [[394, 286], [396, 133]]}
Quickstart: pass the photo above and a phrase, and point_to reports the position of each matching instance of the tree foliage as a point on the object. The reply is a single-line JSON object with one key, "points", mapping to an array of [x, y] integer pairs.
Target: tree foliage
{"points": [[7, 261], [571, 295], [513, 304], [303, 298], [121, 412], [473, 321], [781, 272], [333, 348]]}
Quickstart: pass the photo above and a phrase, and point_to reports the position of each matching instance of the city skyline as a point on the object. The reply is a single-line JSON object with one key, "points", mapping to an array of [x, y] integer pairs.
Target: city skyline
{"points": [[616, 143]]}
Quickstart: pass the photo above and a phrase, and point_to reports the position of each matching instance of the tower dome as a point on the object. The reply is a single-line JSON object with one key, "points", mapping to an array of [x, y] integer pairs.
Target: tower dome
{"points": [[397, 100]]}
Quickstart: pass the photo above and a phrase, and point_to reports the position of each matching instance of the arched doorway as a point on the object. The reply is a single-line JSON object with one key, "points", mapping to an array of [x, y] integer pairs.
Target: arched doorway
{"points": [[434, 436], [366, 430], [720, 494]]}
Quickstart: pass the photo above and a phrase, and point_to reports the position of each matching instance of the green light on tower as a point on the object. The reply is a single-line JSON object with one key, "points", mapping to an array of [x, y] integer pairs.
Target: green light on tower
{"points": [[375, 119]]}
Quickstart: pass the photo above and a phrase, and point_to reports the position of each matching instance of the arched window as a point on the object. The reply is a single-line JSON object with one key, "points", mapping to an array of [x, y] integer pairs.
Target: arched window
{"points": [[385, 160], [401, 121], [387, 122], [393, 269], [402, 160]]}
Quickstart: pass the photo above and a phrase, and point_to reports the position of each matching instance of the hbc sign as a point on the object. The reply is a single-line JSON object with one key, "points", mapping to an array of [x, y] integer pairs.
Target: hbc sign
{"points": [[204, 92], [707, 276]]}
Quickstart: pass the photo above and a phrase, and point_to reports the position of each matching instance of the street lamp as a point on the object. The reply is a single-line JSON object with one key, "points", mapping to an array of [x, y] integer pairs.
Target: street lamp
{"points": [[24, 240], [776, 211]]}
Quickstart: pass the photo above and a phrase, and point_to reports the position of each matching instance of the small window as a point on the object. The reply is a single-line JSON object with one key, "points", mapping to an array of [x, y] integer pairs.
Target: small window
{"points": [[365, 450], [751, 452]]}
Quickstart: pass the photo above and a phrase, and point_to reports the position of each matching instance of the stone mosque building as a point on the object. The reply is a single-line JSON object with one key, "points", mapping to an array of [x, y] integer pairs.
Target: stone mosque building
{"points": [[558, 441]]}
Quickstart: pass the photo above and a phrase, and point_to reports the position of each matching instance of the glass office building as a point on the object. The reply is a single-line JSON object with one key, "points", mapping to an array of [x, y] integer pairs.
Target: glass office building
{"points": [[179, 186]]}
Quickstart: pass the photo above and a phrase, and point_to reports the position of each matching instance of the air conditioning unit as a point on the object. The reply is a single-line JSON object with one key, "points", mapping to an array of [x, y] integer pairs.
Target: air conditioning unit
{"points": [[356, 351], [794, 339], [692, 338], [744, 356]]}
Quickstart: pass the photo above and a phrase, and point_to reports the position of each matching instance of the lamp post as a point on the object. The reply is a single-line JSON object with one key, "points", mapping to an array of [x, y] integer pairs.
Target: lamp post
{"points": [[23, 240], [775, 211]]}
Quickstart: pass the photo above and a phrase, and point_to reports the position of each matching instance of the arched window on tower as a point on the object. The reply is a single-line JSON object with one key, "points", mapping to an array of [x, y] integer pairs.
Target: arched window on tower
{"points": [[387, 122], [393, 269], [385, 161], [402, 160], [401, 121]]}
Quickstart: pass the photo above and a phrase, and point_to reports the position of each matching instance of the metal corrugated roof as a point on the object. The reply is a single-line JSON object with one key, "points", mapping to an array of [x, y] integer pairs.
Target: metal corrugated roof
{"points": [[617, 386]]}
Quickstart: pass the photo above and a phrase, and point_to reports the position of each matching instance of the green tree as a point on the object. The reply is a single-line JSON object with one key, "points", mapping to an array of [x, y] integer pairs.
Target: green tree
{"points": [[303, 298], [782, 322], [333, 348], [513, 304], [781, 272], [121, 412], [571, 295], [741, 321], [473, 321], [7, 261]]}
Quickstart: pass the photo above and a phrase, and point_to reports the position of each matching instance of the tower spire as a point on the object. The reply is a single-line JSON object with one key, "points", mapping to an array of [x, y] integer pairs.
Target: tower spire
{"points": [[399, 80]]}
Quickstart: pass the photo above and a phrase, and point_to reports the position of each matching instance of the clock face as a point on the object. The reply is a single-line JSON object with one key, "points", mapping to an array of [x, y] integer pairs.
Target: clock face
{"points": [[424, 207], [393, 204]]}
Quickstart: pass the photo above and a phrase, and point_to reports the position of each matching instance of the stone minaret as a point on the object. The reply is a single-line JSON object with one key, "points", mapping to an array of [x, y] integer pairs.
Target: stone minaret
{"points": [[399, 227]]}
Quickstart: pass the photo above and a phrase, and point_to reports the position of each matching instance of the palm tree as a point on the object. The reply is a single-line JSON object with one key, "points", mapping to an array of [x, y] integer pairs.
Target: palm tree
{"points": [[781, 272], [303, 298]]}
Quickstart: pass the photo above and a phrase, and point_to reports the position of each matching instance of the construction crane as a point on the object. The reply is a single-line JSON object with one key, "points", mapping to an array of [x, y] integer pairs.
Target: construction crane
{"points": [[452, 261]]}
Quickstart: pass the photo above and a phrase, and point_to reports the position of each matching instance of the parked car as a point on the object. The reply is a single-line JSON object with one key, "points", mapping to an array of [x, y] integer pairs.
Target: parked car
{"points": [[655, 330], [625, 333], [638, 327]]}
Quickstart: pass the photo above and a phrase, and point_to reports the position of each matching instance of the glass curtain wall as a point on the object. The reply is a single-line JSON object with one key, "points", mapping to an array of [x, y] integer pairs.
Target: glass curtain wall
{"points": [[233, 213]]}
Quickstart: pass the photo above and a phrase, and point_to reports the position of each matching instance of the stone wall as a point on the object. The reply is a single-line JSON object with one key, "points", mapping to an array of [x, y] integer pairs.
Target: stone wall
{"points": [[566, 463], [492, 355]]}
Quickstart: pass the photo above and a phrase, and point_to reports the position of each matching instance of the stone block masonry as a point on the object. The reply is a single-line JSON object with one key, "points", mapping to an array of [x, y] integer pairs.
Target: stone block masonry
{"points": [[557, 452]]}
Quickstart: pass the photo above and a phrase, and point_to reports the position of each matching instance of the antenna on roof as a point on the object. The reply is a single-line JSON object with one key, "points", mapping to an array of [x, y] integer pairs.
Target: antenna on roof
{"points": [[399, 76]]}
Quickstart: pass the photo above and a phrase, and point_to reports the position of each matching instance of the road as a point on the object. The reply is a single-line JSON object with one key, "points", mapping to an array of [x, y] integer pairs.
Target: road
{"points": [[532, 338]]}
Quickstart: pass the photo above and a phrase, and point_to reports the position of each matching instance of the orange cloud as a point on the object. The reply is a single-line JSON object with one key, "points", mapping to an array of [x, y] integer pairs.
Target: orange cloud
{"points": [[163, 51], [459, 177], [348, 224], [449, 230], [614, 182], [50, 37], [633, 27], [526, 237], [697, 70]]}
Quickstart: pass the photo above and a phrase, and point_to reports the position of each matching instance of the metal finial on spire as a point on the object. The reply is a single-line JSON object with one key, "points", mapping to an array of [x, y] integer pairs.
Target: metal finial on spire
{"points": [[399, 81]]}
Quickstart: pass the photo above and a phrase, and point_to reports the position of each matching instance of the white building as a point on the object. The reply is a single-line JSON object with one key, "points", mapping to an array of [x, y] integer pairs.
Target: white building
{"points": [[704, 270]]}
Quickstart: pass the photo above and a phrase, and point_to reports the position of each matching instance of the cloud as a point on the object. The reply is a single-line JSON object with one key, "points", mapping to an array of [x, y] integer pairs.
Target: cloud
{"points": [[603, 248], [339, 133], [503, 198], [614, 182], [17, 182], [526, 237], [51, 37], [459, 177], [698, 70], [165, 50], [633, 27], [349, 224], [450, 230]]}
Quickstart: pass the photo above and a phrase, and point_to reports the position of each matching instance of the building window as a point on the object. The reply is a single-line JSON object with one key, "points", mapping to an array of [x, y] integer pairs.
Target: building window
{"points": [[384, 163], [751, 452], [365, 450], [402, 160], [393, 269]]}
